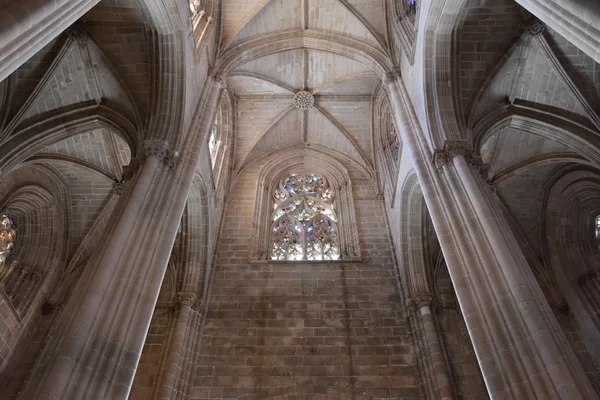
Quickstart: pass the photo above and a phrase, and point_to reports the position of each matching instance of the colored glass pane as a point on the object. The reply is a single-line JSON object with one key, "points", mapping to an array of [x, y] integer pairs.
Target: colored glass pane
{"points": [[304, 220]]}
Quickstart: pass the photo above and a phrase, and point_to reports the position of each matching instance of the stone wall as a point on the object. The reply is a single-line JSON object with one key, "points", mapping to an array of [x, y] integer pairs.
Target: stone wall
{"points": [[313, 330]]}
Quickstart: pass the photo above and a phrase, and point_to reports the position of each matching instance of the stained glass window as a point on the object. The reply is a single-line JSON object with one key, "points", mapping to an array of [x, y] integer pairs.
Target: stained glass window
{"points": [[194, 6], [304, 222], [7, 238], [394, 142], [212, 142], [598, 227]]}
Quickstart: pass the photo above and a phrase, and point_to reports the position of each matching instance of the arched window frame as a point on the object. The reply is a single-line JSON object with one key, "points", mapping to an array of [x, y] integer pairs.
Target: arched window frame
{"points": [[221, 159], [281, 167], [388, 146], [296, 216]]}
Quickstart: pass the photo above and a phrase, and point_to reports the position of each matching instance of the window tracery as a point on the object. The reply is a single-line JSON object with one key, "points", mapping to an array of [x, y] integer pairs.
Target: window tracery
{"points": [[8, 235], [304, 221]]}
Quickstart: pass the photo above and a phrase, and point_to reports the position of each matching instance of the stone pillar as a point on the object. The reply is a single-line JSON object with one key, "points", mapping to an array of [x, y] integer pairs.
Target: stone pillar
{"points": [[95, 346], [29, 25], [432, 358], [181, 362], [521, 349], [575, 20]]}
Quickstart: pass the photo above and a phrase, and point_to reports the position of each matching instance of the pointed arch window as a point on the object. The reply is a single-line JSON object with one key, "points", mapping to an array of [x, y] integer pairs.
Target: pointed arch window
{"points": [[394, 142], [304, 221], [213, 142], [597, 225], [7, 239]]}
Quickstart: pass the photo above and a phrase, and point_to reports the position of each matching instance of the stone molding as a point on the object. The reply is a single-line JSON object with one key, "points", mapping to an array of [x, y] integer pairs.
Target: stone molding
{"points": [[454, 148], [153, 148]]}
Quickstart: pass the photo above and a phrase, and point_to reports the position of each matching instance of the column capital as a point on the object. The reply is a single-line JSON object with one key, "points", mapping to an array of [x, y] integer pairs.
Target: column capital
{"points": [[454, 148], [155, 148], [186, 300], [160, 150], [423, 300]]}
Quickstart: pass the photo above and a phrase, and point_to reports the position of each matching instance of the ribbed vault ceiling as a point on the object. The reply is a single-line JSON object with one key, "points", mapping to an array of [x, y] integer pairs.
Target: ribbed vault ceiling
{"points": [[267, 120]]}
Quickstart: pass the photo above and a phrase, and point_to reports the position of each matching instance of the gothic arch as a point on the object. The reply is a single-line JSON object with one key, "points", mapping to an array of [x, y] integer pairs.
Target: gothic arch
{"points": [[305, 161], [412, 257], [37, 198], [388, 152], [32, 139], [278, 42], [438, 69], [571, 204], [193, 253], [582, 139]]}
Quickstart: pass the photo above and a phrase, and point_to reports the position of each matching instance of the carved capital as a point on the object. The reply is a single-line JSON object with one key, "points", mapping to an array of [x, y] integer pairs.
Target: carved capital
{"points": [[440, 158], [459, 148], [535, 27], [423, 300], [172, 160], [452, 148], [186, 300], [380, 196], [155, 148], [493, 187], [118, 188]]}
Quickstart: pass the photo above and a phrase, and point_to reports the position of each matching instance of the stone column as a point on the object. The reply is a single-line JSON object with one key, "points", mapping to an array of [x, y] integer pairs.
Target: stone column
{"points": [[95, 346], [437, 381], [181, 361], [575, 20], [29, 25], [521, 349], [435, 350]]}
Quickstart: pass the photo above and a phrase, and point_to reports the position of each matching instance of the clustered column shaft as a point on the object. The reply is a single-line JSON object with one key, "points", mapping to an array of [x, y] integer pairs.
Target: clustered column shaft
{"points": [[521, 349]]}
